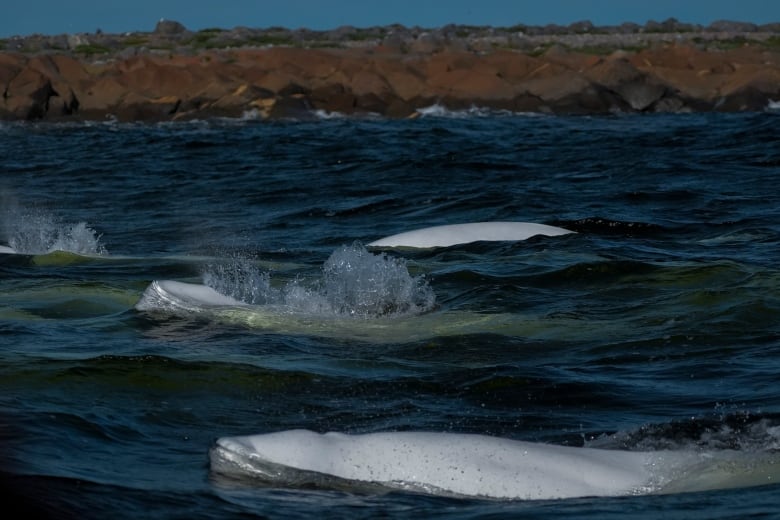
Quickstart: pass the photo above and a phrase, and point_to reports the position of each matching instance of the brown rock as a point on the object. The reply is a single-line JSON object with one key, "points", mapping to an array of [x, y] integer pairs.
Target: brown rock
{"points": [[289, 82], [750, 88], [136, 107], [683, 58], [148, 77], [27, 95], [553, 88], [333, 98], [575, 61], [638, 89], [403, 78]]}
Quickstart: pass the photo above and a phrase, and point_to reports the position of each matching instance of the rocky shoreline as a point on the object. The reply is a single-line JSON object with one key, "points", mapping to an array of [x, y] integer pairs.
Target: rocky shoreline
{"points": [[172, 73]]}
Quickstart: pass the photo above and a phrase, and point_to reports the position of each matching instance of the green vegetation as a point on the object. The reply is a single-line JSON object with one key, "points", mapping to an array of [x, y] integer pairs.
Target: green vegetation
{"points": [[362, 36], [733, 43], [207, 39], [91, 49], [202, 39], [772, 42], [135, 40], [3, 43], [270, 39]]}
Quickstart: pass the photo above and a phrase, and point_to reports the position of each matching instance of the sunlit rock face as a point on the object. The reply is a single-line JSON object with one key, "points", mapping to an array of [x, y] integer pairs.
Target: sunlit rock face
{"points": [[174, 74]]}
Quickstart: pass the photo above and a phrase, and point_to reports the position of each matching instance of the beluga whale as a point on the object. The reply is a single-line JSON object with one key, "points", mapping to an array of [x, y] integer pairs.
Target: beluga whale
{"points": [[456, 234]]}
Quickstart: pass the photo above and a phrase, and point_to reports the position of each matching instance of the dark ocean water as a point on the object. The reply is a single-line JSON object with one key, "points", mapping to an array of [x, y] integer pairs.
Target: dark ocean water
{"points": [[656, 326]]}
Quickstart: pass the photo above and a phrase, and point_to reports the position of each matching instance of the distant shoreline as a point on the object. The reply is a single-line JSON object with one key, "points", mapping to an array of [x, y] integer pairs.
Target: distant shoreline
{"points": [[173, 37], [172, 73]]}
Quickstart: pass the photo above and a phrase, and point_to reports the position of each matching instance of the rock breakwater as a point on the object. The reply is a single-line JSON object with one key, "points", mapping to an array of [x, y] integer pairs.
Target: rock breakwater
{"points": [[175, 74]]}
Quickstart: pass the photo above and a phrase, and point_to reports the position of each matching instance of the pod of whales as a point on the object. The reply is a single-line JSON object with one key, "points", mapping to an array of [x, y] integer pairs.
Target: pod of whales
{"points": [[481, 466], [440, 463], [455, 234]]}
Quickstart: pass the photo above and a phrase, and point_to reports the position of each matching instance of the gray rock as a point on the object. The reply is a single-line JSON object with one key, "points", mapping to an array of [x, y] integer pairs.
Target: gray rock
{"points": [[74, 40], [641, 94], [770, 27], [585, 26], [729, 26], [169, 27]]}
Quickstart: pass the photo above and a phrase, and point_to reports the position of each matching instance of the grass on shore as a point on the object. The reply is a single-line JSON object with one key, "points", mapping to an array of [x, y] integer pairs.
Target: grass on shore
{"points": [[91, 49], [209, 39], [216, 38]]}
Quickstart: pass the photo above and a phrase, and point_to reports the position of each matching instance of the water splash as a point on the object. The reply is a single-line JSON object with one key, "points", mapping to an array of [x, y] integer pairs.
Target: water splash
{"points": [[242, 279], [35, 231], [354, 283]]}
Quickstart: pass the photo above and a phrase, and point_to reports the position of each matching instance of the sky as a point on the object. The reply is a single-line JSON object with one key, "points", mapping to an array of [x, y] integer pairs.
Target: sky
{"points": [[25, 17]]}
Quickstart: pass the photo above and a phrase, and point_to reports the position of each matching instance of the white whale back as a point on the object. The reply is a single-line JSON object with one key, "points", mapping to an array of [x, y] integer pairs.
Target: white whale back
{"points": [[454, 234], [484, 466], [460, 464]]}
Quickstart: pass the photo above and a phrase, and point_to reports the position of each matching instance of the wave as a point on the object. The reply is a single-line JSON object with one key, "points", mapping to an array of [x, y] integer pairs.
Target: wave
{"points": [[197, 301], [605, 226], [438, 110]]}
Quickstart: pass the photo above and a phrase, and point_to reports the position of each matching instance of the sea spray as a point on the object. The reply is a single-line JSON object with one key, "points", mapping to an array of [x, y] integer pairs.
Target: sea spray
{"points": [[354, 282], [360, 283], [31, 230], [241, 279]]}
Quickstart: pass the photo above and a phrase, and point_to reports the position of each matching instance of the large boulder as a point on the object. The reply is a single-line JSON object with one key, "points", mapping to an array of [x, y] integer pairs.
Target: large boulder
{"points": [[169, 27], [27, 95], [752, 87], [638, 89]]}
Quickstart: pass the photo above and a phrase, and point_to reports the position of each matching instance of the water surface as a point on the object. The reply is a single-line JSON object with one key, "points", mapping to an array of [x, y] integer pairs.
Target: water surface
{"points": [[655, 326]]}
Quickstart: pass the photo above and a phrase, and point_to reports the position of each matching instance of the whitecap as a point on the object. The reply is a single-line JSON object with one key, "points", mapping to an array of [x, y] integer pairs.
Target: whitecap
{"points": [[438, 110]]}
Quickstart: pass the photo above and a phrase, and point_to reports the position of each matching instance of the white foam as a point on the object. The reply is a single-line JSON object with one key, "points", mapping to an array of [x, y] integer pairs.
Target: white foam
{"points": [[438, 110], [251, 115], [325, 114]]}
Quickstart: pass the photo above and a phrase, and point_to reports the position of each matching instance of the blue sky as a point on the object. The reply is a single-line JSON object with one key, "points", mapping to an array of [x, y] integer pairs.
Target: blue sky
{"points": [[23, 17]]}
